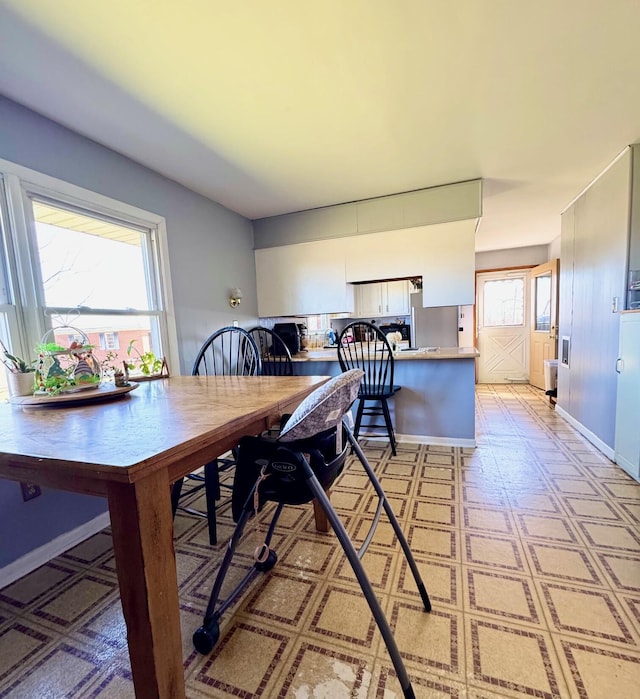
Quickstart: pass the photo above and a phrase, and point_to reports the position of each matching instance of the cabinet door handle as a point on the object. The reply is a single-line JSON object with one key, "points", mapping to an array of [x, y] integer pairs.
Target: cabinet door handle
{"points": [[620, 365]]}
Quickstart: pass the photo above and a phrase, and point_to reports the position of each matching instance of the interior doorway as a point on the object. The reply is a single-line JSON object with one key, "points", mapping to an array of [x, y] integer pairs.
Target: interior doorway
{"points": [[503, 326]]}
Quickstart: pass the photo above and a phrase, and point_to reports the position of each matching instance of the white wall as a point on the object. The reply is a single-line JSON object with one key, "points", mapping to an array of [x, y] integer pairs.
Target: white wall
{"points": [[513, 257]]}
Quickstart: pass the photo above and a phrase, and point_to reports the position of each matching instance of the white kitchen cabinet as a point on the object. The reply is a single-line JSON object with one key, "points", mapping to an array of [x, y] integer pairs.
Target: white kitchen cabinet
{"points": [[627, 441], [397, 302], [388, 255], [368, 299], [382, 299], [302, 279]]}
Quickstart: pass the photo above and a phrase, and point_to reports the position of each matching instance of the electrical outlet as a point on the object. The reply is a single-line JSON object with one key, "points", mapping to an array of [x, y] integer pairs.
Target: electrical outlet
{"points": [[30, 491], [235, 323]]}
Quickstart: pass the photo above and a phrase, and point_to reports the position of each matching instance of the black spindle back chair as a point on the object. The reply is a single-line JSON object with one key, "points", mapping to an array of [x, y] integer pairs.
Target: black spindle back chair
{"points": [[370, 351], [229, 351], [275, 357]]}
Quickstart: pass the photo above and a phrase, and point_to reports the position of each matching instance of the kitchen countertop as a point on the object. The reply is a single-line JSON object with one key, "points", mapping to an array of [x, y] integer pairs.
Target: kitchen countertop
{"points": [[327, 355]]}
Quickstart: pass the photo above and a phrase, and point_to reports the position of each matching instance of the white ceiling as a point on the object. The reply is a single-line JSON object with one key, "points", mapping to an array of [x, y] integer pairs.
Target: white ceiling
{"points": [[276, 106]]}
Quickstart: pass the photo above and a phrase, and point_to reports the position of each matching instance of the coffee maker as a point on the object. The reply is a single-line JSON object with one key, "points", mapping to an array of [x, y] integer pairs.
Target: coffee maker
{"points": [[304, 336], [289, 333]]}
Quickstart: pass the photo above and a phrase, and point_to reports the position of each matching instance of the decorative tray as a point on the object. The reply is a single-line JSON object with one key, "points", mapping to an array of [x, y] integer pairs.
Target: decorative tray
{"points": [[103, 392]]}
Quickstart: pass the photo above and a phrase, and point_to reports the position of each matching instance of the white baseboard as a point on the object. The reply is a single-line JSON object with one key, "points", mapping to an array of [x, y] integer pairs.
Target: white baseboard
{"points": [[596, 441], [34, 559], [424, 439]]}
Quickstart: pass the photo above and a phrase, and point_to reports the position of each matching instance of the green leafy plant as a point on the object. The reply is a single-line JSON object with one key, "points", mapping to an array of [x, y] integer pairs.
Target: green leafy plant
{"points": [[145, 362], [112, 366], [16, 365]]}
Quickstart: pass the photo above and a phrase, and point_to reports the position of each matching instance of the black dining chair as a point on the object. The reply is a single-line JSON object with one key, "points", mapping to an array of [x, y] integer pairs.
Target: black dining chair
{"points": [[372, 353], [229, 351], [275, 357]]}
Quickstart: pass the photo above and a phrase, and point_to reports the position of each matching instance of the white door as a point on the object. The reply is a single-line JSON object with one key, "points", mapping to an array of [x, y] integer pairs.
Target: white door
{"points": [[503, 326], [544, 325]]}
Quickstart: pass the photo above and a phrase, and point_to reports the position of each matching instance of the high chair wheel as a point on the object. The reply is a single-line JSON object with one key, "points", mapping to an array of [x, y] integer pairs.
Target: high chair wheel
{"points": [[265, 565], [206, 637]]}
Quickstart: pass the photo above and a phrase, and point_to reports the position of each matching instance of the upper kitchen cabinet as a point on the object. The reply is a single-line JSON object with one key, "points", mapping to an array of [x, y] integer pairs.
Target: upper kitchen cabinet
{"points": [[427, 233], [382, 256], [368, 300], [633, 265], [423, 207], [306, 226], [303, 279], [383, 299], [457, 201], [447, 253], [442, 254], [398, 301]]}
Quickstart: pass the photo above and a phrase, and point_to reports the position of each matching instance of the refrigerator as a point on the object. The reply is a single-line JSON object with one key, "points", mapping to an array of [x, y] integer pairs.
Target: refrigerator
{"points": [[434, 326]]}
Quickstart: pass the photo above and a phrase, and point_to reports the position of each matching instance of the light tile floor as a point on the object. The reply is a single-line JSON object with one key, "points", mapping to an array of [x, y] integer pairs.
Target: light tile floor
{"points": [[529, 546]]}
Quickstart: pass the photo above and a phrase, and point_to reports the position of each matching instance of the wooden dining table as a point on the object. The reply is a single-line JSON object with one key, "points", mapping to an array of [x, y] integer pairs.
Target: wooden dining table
{"points": [[129, 450]]}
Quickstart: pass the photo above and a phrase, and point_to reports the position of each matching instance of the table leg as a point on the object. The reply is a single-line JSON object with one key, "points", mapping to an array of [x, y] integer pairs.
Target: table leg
{"points": [[322, 523], [142, 529]]}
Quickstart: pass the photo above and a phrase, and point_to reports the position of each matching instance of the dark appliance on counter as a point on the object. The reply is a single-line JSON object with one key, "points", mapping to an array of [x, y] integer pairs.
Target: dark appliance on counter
{"points": [[290, 335], [304, 337], [402, 328]]}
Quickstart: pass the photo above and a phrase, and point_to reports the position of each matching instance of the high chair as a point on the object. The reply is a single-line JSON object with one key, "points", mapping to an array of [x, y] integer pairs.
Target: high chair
{"points": [[292, 467]]}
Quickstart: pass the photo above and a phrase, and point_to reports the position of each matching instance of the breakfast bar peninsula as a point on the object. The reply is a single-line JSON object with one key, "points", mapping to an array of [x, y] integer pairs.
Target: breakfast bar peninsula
{"points": [[437, 402]]}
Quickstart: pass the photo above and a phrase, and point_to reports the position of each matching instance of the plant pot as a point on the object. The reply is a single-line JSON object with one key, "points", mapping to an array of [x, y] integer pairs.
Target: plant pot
{"points": [[20, 384], [120, 379]]}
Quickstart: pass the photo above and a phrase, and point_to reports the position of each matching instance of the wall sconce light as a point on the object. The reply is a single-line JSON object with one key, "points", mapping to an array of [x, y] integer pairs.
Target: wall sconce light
{"points": [[235, 296]]}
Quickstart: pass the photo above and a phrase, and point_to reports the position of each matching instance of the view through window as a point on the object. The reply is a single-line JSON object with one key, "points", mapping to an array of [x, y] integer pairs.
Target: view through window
{"points": [[77, 267], [503, 302], [94, 280]]}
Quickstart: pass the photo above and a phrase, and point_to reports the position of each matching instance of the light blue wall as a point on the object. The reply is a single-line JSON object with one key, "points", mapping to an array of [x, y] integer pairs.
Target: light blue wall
{"points": [[210, 251]]}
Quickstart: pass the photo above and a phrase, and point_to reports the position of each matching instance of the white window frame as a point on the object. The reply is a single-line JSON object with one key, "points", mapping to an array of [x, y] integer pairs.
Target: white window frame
{"points": [[24, 313]]}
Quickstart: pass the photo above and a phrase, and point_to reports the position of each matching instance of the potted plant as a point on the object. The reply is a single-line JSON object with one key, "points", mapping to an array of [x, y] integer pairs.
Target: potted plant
{"points": [[65, 369], [145, 364], [111, 367], [20, 373]]}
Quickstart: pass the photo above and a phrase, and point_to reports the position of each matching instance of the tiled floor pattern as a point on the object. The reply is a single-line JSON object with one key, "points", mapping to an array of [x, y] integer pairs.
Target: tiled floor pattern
{"points": [[529, 546]]}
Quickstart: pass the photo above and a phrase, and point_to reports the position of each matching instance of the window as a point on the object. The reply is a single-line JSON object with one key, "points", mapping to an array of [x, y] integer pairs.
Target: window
{"points": [[109, 341], [76, 266], [543, 302], [503, 302]]}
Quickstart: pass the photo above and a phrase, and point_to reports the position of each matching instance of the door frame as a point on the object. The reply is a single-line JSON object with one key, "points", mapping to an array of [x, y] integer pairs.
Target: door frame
{"points": [[512, 268]]}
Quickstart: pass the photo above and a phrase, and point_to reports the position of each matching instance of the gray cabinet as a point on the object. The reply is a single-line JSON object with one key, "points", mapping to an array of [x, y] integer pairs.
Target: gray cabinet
{"points": [[627, 449]]}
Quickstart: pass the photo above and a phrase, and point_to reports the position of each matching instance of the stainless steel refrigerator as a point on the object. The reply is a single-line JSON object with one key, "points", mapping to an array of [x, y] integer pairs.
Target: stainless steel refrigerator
{"points": [[433, 327]]}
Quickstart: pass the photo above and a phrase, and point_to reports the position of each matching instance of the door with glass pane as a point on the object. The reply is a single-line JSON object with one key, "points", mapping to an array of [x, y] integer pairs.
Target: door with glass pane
{"points": [[503, 326], [544, 325]]}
